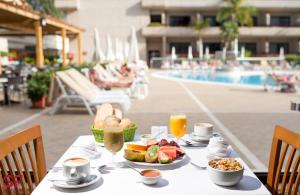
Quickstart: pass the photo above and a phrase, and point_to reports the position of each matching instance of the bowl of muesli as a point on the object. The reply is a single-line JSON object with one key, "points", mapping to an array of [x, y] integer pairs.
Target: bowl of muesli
{"points": [[225, 171]]}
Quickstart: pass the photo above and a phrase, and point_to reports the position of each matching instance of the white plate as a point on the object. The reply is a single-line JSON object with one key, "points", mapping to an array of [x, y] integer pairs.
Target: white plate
{"points": [[62, 184], [177, 161], [198, 138]]}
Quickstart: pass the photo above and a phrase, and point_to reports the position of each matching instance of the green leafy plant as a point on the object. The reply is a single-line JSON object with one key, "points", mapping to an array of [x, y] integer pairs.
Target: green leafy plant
{"points": [[294, 58], [47, 7], [38, 85], [233, 15]]}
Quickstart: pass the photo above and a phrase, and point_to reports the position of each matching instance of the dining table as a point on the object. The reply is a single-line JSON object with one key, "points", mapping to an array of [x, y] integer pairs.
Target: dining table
{"points": [[4, 82], [179, 178]]}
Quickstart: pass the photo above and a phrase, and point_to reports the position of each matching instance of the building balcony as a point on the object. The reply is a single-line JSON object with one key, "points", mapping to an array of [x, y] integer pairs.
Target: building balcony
{"points": [[212, 4], [215, 31], [67, 5]]}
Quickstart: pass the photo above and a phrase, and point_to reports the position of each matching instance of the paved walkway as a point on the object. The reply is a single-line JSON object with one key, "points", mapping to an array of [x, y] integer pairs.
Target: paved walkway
{"points": [[246, 117]]}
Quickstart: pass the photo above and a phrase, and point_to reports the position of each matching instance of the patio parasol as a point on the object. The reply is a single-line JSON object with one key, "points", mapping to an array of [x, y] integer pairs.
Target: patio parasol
{"points": [[133, 55], [200, 49], [243, 52], [224, 53], [281, 53], [126, 50], [109, 50], [119, 50], [173, 54], [190, 53], [236, 47], [207, 56], [98, 55]]}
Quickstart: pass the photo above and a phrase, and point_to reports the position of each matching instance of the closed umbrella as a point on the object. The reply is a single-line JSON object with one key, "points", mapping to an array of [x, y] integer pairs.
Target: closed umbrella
{"points": [[109, 50], [173, 54], [200, 47], [119, 52], [134, 55], [190, 53], [243, 52], [281, 53], [98, 55], [126, 50], [207, 56], [224, 53], [236, 47]]}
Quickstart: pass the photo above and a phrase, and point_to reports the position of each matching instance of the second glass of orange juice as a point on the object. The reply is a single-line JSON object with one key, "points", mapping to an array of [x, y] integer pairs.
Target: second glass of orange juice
{"points": [[178, 125]]}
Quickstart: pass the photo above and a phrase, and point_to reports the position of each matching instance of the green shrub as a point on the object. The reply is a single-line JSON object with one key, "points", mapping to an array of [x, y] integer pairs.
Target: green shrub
{"points": [[38, 85], [294, 58]]}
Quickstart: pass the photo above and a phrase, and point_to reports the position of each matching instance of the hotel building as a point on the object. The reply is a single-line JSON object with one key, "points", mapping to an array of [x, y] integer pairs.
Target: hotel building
{"points": [[163, 24]]}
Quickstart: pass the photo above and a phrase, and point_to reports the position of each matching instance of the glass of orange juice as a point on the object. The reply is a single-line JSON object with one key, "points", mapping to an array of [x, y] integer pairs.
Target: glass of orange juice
{"points": [[178, 125]]}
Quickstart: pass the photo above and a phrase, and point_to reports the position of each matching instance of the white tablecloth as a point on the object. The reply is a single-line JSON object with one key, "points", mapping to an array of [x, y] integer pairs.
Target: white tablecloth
{"points": [[181, 179]]}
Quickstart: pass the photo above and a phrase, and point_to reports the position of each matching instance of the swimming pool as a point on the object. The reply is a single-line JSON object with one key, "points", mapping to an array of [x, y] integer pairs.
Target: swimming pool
{"points": [[243, 78]]}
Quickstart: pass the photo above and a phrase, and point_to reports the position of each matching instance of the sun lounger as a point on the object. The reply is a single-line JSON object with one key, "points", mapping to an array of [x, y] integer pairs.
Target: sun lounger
{"points": [[77, 89]]}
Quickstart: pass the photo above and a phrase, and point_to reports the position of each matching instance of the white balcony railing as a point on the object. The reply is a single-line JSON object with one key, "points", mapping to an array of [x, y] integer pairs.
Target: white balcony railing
{"points": [[215, 31], [67, 5], [194, 5]]}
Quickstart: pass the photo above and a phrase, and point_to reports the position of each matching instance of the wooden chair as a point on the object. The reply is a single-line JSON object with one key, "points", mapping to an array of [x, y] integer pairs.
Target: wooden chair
{"points": [[284, 156], [22, 161]]}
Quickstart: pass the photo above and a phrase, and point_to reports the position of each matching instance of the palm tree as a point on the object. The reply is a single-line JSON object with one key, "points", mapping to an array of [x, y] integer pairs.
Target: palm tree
{"points": [[199, 26], [232, 16]]}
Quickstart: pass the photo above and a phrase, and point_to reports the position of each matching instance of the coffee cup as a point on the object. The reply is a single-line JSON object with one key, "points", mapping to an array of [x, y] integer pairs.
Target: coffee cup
{"points": [[203, 129], [76, 168]]}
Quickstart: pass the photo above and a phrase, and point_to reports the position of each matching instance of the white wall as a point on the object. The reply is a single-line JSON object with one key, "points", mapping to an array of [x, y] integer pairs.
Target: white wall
{"points": [[114, 17]]}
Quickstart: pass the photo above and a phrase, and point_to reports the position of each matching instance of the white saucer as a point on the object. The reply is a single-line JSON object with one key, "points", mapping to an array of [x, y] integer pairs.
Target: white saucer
{"points": [[198, 138], [63, 184]]}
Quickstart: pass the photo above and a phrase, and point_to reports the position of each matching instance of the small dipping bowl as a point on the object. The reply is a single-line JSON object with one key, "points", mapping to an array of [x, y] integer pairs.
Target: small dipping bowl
{"points": [[150, 176], [146, 138]]}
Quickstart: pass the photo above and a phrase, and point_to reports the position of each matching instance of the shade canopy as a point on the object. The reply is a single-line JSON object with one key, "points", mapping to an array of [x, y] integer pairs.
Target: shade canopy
{"points": [[18, 20]]}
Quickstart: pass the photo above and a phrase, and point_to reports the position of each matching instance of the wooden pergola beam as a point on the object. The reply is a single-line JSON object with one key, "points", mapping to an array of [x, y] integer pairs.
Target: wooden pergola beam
{"points": [[79, 51], [63, 51], [39, 45], [28, 21]]}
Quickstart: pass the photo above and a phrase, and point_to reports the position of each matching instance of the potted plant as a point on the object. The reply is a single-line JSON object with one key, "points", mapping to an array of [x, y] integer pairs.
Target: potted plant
{"points": [[37, 89]]}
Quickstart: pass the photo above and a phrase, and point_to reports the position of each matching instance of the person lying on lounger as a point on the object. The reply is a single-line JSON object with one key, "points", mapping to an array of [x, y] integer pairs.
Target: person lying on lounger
{"points": [[287, 82], [101, 82]]}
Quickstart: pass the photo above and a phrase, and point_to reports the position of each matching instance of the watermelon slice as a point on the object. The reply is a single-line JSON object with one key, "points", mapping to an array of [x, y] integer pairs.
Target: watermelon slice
{"points": [[178, 150], [171, 153], [163, 158]]}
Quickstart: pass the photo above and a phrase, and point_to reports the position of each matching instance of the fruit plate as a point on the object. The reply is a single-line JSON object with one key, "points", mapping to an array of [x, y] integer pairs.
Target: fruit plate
{"points": [[175, 162]]}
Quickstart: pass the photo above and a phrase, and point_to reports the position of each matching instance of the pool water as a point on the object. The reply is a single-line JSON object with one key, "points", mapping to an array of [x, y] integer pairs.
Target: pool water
{"points": [[234, 77]]}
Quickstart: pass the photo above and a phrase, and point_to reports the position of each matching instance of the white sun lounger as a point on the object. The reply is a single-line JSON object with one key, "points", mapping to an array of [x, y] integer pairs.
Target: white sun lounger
{"points": [[77, 89]]}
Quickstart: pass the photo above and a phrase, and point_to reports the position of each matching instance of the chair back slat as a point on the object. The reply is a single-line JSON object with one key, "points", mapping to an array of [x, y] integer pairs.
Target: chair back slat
{"points": [[5, 178], [280, 165], [32, 162], [297, 183], [287, 169], [20, 154], [12, 173], [293, 174], [1, 181], [19, 171], [285, 146], [26, 169]]}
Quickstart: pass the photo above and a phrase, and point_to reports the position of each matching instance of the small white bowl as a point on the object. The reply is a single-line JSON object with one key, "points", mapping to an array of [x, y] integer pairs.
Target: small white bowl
{"points": [[146, 138], [225, 178], [150, 180]]}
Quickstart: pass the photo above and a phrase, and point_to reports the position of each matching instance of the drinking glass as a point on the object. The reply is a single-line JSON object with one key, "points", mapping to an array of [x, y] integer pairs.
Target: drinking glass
{"points": [[178, 125], [113, 141]]}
